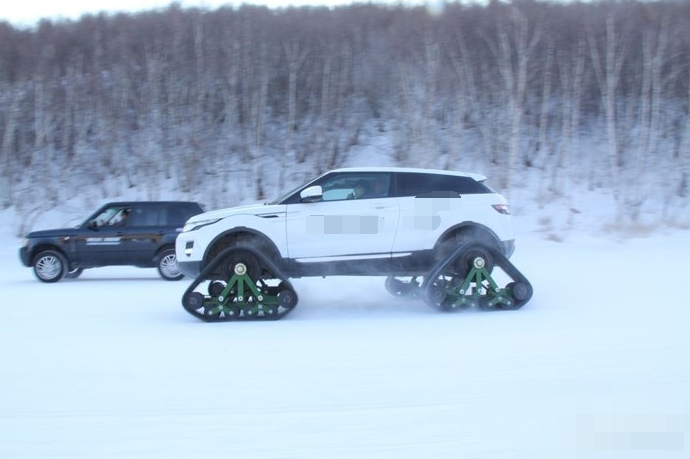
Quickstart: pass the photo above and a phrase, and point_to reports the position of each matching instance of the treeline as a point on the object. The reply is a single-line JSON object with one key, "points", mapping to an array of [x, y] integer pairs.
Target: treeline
{"points": [[236, 103]]}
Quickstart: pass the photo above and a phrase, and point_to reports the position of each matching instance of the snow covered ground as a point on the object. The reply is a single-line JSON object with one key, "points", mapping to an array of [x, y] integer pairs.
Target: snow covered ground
{"points": [[597, 364]]}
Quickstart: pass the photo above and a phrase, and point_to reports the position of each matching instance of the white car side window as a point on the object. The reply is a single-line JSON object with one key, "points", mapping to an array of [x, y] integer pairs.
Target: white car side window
{"points": [[356, 186]]}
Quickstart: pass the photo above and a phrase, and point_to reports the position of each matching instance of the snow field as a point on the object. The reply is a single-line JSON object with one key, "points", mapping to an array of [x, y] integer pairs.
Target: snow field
{"points": [[597, 364]]}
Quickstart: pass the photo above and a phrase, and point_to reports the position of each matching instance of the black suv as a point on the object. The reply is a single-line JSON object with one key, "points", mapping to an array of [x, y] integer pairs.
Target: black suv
{"points": [[119, 233]]}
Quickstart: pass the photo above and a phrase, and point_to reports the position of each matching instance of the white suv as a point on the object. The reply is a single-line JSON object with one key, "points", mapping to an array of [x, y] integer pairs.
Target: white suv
{"points": [[357, 221]]}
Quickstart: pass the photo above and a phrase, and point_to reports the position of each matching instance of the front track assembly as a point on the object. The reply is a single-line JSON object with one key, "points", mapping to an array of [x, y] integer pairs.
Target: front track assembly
{"points": [[240, 284], [466, 279]]}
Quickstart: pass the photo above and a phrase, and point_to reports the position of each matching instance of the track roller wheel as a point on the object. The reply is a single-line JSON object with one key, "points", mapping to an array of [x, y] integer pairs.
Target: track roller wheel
{"points": [[271, 312], [488, 303], [402, 289], [394, 286], [231, 311], [215, 288], [465, 303], [287, 299], [521, 291], [212, 312], [194, 301], [437, 297]]}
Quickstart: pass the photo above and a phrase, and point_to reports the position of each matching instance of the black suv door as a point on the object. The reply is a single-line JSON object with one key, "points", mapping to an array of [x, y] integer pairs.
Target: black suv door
{"points": [[101, 240], [146, 228], [151, 226]]}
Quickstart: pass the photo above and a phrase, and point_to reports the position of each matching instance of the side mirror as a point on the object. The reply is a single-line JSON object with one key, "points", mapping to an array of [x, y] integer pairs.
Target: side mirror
{"points": [[312, 194], [92, 225]]}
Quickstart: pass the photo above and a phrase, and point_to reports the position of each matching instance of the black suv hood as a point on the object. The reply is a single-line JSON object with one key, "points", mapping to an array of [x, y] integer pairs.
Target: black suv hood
{"points": [[55, 232]]}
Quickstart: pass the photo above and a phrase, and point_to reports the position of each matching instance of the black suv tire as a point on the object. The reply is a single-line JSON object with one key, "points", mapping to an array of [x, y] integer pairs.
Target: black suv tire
{"points": [[49, 266], [167, 265]]}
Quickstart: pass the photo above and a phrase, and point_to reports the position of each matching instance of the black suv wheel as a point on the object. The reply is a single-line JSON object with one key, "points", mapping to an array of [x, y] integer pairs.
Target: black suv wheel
{"points": [[167, 265], [49, 266]]}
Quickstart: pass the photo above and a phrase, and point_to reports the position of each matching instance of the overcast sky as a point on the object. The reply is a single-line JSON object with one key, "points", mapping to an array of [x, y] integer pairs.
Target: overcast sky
{"points": [[28, 12]]}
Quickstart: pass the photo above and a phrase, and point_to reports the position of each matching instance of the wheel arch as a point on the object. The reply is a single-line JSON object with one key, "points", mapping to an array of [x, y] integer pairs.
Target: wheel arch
{"points": [[244, 234], [475, 230], [43, 246], [161, 249]]}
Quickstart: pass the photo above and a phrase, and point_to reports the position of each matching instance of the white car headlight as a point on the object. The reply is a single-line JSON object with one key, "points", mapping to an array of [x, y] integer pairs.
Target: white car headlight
{"points": [[192, 226]]}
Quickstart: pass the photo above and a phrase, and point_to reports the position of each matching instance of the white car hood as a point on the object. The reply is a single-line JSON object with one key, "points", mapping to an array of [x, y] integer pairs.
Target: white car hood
{"points": [[254, 209]]}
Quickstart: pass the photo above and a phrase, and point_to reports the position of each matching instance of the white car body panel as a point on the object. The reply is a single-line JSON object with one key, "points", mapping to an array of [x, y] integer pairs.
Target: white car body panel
{"points": [[425, 220], [341, 228]]}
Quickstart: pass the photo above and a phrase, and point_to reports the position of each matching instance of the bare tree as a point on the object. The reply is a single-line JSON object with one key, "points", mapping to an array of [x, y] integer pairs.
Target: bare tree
{"points": [[654, 45], [10, 100], [607, 64], [513, 49], [571, 75], [214, 99]]}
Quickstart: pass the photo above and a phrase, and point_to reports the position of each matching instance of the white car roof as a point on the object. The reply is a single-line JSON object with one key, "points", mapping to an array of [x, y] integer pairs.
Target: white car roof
{"points": [[477, 177]]}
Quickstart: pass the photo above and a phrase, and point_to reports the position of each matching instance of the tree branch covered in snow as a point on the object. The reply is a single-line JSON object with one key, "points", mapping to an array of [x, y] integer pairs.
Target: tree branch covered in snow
{"points": [[235, 104]]}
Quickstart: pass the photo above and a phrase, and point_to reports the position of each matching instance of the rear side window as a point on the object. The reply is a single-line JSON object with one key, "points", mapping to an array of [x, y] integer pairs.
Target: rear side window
{"points": [[415, 184], [147, 216], [178, 214]]}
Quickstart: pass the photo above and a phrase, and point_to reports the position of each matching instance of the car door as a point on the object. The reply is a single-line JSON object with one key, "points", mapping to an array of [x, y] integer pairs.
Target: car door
{"points": [[429, 205], [146, 227], [100, 241], [344, 224]]}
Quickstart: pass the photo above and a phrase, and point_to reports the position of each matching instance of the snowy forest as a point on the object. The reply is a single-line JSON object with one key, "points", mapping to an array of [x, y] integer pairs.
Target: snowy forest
{"points": [[236, 104]]}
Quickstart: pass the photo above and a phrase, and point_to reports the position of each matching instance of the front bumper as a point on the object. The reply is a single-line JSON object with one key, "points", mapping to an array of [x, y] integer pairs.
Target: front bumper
{"points": [[189, 268], [24, 256], [188, 262]]}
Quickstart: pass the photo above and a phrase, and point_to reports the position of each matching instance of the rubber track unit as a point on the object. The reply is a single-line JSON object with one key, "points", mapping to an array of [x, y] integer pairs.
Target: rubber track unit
{"points": [[464, 280], [240, 284]]}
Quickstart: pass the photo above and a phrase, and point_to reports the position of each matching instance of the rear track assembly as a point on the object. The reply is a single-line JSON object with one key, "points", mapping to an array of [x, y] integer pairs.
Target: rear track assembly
{"points": [[464, 280]]}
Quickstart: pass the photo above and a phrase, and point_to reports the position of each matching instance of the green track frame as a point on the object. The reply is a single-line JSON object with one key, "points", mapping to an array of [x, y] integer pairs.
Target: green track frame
{"points": [[246, 295], [244, 290], [449, 289]]}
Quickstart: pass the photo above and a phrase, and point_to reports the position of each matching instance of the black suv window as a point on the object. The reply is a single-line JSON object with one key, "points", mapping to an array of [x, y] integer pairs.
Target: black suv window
{"points": [[178, 214], [169, 214], [111, 216], [415, 184], [147, 216]]}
